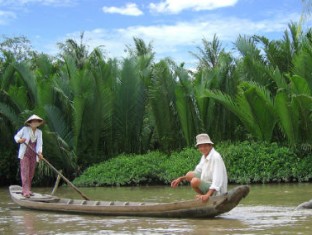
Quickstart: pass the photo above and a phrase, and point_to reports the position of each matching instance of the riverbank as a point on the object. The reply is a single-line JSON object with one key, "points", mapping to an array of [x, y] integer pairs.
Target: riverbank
{"points": [[246, 162]]}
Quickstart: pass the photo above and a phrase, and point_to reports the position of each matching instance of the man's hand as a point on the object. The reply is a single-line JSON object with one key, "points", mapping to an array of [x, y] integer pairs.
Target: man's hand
{"points": [[21, 140], [204, 198], [175, 182]]}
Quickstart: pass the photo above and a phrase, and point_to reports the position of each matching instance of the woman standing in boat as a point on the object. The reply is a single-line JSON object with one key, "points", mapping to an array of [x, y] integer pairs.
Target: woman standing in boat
{"points": [[209, 177], [32, 136]]}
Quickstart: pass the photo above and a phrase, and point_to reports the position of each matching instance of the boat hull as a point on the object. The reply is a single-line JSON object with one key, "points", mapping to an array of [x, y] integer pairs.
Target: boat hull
{"points": [[182, 209]]}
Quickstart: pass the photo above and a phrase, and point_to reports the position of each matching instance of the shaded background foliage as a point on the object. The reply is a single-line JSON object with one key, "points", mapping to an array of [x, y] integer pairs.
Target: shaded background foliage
{"points": [[97, 107]]}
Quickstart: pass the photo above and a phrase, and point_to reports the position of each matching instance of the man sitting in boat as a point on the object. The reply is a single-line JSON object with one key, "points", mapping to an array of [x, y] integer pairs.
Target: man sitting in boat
{"points": [[209, 177]]}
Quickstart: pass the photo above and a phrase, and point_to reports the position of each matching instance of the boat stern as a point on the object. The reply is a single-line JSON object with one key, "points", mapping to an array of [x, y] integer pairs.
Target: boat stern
{"points": [[234, 196]]}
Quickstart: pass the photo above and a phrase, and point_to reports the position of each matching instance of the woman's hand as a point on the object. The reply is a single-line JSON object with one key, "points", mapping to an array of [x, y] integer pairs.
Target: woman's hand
{"points": [[21, 140], [40, 156]]}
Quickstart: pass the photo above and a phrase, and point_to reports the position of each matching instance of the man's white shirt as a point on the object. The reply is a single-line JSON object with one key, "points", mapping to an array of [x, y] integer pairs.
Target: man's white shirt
{"points": [[212, 170]]}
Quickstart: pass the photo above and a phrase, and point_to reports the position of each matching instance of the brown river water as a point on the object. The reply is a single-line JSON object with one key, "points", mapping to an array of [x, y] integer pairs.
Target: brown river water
{"points": [[268, 209]]}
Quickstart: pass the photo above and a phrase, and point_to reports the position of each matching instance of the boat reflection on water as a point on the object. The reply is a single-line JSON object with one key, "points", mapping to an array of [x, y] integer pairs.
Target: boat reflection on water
{"points": [[22, 221], [29, 220]]}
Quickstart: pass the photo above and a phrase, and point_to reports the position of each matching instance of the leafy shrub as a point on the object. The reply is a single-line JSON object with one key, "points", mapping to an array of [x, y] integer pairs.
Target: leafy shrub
{"points": [[246, 162], [178, 164], [124, 170], [252, 162]]}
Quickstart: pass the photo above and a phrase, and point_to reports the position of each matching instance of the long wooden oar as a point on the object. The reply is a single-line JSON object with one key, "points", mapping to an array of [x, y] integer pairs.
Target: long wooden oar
{"points": [[59, 173]]}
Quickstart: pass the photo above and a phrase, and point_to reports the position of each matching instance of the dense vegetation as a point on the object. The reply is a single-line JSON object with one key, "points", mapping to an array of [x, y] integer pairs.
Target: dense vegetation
{"points": [[246, 162], [98, 107]]}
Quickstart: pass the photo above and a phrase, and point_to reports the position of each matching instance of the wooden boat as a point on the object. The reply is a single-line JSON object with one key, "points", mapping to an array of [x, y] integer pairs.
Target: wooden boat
{"points": [[181, 209]]}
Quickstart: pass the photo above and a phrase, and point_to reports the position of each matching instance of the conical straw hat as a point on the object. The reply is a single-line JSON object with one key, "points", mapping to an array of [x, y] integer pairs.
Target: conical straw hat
{"points": [[34, 117]]}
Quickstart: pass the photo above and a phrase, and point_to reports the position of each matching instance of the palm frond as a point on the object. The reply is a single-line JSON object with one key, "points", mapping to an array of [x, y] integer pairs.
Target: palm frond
{"points": [[186, 107], [29, 80], [7, 76], [253, 106], [304, 104], [208, 55], [299, 85], [9, 113], [247, 47], [163, 102], [58, 124], [19, 96], [230, 104], [129, 106], [288, 116], [261, 106]]}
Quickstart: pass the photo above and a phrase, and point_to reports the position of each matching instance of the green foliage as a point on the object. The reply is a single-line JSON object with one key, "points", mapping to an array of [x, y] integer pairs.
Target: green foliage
{"points": [[246, 162], [217, 72], [18, 48], [129, 106], [253, 106], [163, 103], [208, 56], [187, 107], [9, 166], [179, 163], [124, 170], [261, 162], [97, 107]]}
